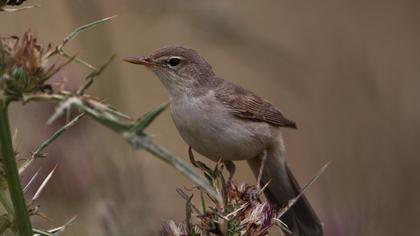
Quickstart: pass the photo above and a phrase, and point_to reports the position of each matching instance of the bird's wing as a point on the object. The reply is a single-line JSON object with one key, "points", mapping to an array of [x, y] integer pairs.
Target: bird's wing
{"points": [[247, 105]]}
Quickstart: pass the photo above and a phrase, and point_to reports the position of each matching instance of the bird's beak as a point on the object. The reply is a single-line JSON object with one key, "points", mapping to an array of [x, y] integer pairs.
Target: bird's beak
{"points": [[140, 61]]}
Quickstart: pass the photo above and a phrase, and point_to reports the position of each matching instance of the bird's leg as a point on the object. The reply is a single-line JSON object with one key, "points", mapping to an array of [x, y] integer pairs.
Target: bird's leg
{"points": [[198, 164], [231, 168], [191, 155], [263, 158]]}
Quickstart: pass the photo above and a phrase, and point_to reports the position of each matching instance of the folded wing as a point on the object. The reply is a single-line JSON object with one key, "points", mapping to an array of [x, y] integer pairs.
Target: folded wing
{"points": [[247, 105]]}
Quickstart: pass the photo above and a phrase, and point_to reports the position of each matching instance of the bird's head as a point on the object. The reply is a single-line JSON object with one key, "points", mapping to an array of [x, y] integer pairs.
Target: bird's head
{"points": [[179, 68]]}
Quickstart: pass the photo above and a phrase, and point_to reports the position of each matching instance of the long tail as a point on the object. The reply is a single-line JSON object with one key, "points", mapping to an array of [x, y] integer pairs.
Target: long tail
{"points": [[301, 218]]}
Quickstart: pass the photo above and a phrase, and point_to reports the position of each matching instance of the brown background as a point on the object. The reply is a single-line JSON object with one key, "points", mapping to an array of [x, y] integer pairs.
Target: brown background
{"points": [[346, 71]]}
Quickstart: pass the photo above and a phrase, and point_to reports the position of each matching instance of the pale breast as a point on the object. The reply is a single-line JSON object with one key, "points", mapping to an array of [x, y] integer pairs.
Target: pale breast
{"points": [[210, 129]]}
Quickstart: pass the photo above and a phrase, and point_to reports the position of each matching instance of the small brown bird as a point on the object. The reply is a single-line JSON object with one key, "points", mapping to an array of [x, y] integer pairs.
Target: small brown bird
{"points": [[221, 120]]}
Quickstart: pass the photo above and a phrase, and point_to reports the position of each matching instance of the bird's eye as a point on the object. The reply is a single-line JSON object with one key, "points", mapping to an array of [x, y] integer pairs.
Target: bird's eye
{"points": [[174, 61]]}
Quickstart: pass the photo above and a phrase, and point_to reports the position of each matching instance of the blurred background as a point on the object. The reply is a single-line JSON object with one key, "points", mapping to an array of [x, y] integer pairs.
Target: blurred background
{"points": [[346, 71]]}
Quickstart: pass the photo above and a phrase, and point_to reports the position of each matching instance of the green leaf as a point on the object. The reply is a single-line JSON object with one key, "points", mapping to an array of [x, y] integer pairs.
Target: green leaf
{"points": [[57, 134], [203, 202], [99, 112], [142, 123], [82, 28], [143, 142], [89, 79], [188, 210], [137, 139]]}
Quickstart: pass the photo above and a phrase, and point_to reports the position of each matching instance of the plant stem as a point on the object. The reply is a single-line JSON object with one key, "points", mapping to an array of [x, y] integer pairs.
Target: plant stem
{"points": [[23, 223], [6, 203]]}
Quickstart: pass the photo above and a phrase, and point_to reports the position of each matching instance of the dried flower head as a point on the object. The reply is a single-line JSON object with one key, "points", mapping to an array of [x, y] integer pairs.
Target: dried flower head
{"points": [[173, 229], [242, 211], [23, 65]]}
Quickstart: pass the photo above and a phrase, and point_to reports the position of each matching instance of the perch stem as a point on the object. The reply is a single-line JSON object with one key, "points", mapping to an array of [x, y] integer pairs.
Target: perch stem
{"points": [[23, 223]]}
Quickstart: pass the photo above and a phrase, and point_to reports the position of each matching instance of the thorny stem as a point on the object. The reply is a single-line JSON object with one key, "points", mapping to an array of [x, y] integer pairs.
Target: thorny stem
{"points": [[23, 223]]}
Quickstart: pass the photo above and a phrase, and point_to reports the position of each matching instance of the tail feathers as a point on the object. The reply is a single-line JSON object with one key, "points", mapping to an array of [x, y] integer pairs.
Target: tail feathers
{"points": [[302, 213], [301, 219]]}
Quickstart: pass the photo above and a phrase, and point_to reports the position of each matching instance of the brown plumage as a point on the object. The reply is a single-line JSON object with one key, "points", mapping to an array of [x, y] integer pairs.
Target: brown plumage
{"points": [[245, 104], [224, 121]]}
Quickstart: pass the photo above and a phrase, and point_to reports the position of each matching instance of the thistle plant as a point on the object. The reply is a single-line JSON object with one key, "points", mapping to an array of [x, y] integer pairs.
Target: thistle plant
{"points": [[24, 66], [25, 71], [241, 211]]}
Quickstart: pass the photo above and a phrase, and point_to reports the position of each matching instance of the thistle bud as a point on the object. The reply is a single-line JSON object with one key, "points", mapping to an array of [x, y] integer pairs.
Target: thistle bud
{"points": [[23, 65]]}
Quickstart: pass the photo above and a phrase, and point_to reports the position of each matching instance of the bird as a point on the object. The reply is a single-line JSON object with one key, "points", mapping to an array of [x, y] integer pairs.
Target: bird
{"points": [[223, 121]]}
